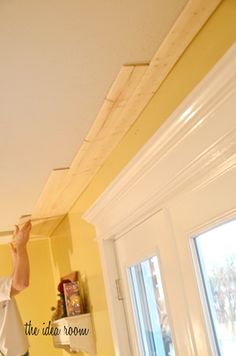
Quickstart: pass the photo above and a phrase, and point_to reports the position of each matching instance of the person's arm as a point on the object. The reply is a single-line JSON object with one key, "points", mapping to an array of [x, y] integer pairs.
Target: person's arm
{"points": [[21, 268]]}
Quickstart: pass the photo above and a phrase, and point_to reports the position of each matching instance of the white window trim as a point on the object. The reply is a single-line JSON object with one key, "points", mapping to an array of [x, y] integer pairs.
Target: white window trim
{"points": [[146, 183]]}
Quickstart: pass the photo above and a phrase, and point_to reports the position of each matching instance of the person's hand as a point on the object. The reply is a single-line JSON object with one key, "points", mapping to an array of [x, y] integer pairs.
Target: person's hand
{"points": [[13, 250], [22, 235]]}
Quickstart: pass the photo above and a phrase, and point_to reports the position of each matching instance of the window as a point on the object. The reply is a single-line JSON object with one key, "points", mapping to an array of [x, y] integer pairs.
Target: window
{"points": [[152, 323], [216, 254]]}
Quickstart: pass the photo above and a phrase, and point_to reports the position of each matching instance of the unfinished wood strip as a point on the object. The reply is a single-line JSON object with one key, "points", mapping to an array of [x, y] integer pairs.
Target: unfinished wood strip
{"points": [[128, 78], [6, 233], [190, 21], [45, 227], [108, 104], [49, 193], [101, 136], [125, 102], [120, 92], [116, 99]]}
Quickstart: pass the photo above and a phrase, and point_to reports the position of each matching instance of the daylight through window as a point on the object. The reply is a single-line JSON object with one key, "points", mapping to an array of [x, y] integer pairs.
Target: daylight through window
{"points": [[216, 252]]}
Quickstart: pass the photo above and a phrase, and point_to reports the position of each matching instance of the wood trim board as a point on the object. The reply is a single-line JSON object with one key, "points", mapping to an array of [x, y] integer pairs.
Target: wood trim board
{"points": [[130, 93]]}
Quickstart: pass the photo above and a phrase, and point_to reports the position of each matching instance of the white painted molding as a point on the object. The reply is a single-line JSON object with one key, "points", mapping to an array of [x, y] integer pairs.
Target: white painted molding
{"points": [[191, 144], [196, 145]]}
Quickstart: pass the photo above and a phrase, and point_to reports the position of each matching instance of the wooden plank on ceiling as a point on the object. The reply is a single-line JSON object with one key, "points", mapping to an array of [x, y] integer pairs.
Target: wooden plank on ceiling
{"points": [[49, 193], [42, 227], [191, 20], [43, 221], [130, 93], [98, 143]]}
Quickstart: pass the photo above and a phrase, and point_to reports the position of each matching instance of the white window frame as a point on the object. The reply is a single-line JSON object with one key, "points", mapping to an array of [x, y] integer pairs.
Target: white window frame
{"points": [[144, 185]]}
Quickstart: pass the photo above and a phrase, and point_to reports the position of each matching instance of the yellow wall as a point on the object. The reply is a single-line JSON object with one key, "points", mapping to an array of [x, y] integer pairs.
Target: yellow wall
{"points": [[73, 245], [75, 248]]}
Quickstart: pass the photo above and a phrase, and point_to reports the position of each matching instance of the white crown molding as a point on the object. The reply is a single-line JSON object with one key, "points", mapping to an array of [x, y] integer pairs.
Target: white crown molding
{"points": [[192, 145]]}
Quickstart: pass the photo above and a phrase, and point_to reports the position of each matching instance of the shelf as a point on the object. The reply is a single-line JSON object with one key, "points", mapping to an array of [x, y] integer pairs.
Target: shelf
{"points": [[74, 334]]}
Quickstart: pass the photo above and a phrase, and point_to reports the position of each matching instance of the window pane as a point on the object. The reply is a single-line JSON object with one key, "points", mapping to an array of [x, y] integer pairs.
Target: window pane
{"points": [[150, 309], [216, 251]]}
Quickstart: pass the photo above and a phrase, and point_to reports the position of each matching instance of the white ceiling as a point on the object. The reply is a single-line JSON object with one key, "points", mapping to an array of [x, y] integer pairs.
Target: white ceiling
{"points": [[58, 60]]}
